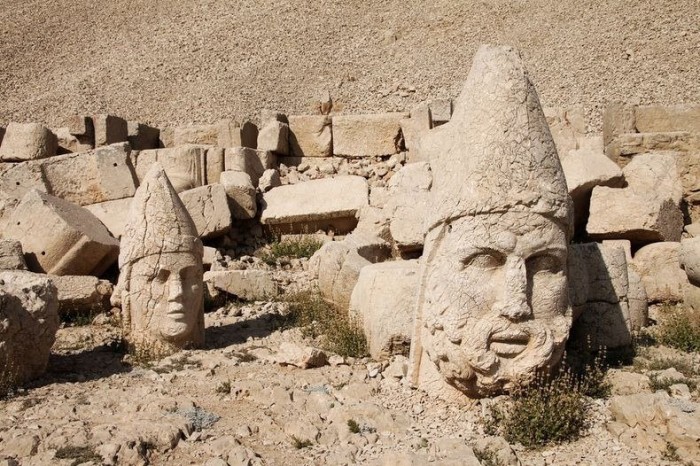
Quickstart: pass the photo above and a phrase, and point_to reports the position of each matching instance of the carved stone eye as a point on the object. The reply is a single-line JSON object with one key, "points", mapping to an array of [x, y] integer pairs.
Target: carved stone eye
{"points": [[162, 275], [485, 260], [544, 263]]}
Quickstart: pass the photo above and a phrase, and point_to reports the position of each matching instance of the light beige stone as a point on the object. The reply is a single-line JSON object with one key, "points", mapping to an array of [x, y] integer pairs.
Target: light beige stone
{"points": [[82, 294], [660, 268], [618, 118], [323, 204], [104, 174], [251, 161], [241, 194], [109, 129], [269, 179], [249, 285], [196, 134], [11, 256], [59, 237], [653, 193], [214, 164], [208, 208], [27, 141], [664, 118], [17, 179], [586, 169], [310, 136], [367, 135], [382, 302], [441, 111], [414, 127], [69, 142], [492, 306], [274, 137], [28, 324], [142, 136], [303, 357], [160, 282], [112, 214], [567, 126], [689, 257], [184, 165]]}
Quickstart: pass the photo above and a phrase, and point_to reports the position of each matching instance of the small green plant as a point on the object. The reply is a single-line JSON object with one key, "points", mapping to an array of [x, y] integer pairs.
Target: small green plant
{"points": [[671, 453], [224, 388], [353, 426], [299, 443], [487, 457], [656, 382], [680, 329], [588, 369], [79, 319], [682, 365], [79, 455], [298, 247], [337, 331]]}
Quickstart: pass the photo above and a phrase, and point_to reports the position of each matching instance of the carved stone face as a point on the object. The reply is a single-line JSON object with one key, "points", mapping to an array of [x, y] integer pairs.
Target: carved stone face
{"points": [[495, 302], [165, 296]]}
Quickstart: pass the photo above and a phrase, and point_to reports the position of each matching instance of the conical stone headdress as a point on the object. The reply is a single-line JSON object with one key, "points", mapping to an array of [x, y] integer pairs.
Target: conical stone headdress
{"points": [[496, 154], [158, 221]]}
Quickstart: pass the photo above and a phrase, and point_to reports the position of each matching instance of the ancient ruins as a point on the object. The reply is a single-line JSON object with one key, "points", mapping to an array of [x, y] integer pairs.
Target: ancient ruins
{"points": [[471, 241]]}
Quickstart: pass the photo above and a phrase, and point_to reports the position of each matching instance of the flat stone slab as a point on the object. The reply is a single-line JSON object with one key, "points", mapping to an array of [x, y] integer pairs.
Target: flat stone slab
{"points": [[367, 135], [250, 285], [315, 202], [208, 207]]}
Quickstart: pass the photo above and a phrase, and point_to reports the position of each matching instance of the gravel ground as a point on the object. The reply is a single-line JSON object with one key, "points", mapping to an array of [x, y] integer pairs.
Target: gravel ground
{"points": [[181, 61]]}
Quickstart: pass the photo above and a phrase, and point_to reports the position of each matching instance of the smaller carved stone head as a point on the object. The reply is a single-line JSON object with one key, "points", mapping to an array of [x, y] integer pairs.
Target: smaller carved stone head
{"points": [[161, 271]]}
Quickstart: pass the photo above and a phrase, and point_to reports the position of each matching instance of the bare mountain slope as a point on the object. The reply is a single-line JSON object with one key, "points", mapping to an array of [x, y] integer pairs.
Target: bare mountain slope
{"points": [[165, 61]]}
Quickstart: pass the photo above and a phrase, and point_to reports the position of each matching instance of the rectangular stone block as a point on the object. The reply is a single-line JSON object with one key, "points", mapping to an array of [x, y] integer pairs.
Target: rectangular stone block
{"points": [[214, 164], [441, 111], [82, 293], [109, 129], [27, 141], [59, 237], [274, 137], [666, 118], [112, 214], [310, 136], [184, 165], [329, 203], [68, 143], [241, 194], [11, 256], [103, 174], [367, 135], [196, 134], [254, 162], [414, 127], [249, 285], [142, 136], [208, 207], [17, 178]]}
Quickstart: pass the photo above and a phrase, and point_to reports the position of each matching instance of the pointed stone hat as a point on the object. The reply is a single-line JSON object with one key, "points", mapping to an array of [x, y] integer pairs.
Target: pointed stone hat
{"points": [[496, 154], [158, 221]]}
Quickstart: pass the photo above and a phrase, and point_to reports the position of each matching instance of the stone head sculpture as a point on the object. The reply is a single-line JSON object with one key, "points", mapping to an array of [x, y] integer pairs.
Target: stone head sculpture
{"points": [[161, 271], [492, 307]]}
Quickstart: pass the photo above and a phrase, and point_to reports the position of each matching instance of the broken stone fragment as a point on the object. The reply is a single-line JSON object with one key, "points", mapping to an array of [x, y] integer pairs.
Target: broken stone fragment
{"points": [[274, 137], [209, 210], [112, 214], [310, 136], [303, 357], [251, 161], [242, 195], [660, 268], [413, 128], [367, 135], [142, 136], [11, 256], [249, 285], [59, 237], [82, 294], [196, 134], [269, 179], [109, 129], [214, 164], [184, 165], [27, 141]]}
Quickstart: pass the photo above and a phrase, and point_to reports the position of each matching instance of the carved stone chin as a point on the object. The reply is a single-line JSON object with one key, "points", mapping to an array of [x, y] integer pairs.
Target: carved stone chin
{"points": [[161, 279]]}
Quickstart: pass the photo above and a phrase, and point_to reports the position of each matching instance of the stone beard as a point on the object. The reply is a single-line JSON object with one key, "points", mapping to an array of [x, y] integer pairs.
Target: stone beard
{"points": [[494, 299], [163, 297]]}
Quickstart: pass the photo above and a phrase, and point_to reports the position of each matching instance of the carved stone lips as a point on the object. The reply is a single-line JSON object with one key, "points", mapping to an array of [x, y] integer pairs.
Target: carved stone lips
{"points": [[509, 343]]}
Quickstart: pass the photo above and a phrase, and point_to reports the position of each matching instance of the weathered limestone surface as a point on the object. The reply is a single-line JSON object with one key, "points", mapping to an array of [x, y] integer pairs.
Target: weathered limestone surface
{"points": [[112, 214], [665, 118], [68, 142], [196, 134], [660, 268], [568, 126], [382, 301], [690, 259], [500, 214], [648, 209], [310, 136], [184, 165], [142, 137], [11, 256], [241, 194], [208, 209], [18, 178], [214, 164], [250, 285], [274, 137], [441, 111], [269, 179], [82, 293], [251, 161], [27, 141], [104, 174], [28, 324], [585, 169], [317, 204], [160, 282], [109, 129], [59, 237], [367, 135]]}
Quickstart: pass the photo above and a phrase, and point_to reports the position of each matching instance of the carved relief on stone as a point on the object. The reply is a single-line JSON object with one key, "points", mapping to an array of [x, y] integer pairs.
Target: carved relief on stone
{"points": [[493, 305], [160, 282]]}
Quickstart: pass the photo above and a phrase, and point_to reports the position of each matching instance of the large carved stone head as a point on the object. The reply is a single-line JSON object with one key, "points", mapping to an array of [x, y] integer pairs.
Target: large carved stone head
{"points": [[161, 271], [493, 306]]}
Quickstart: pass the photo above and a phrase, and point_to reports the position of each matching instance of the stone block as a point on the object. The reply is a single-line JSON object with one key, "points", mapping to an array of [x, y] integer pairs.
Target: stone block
{"points": [[274, 137], [249, 285], [367, 135], [441, 111], [18, 178], [184, 165], [59, 237], [586, 169], [383, 301], [329, 203], [82, 294], [618, 118], [269, 179], [415, 126], [214, 164], [665, 118], [112, 214], [690, 259], [78, 136], [208, 207], [142, 136], [630, 144], [11, 256], [103, 174], [241, 194], [109, 129], [254, 162], [567, 126], [310, 136], [196, 134], [27, 141], [648, 209], [660, 268], [28, 324]]}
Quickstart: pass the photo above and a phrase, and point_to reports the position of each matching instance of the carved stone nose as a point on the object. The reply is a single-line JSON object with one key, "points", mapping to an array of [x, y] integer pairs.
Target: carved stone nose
{"points": [[175, 290], [513, 304]]}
